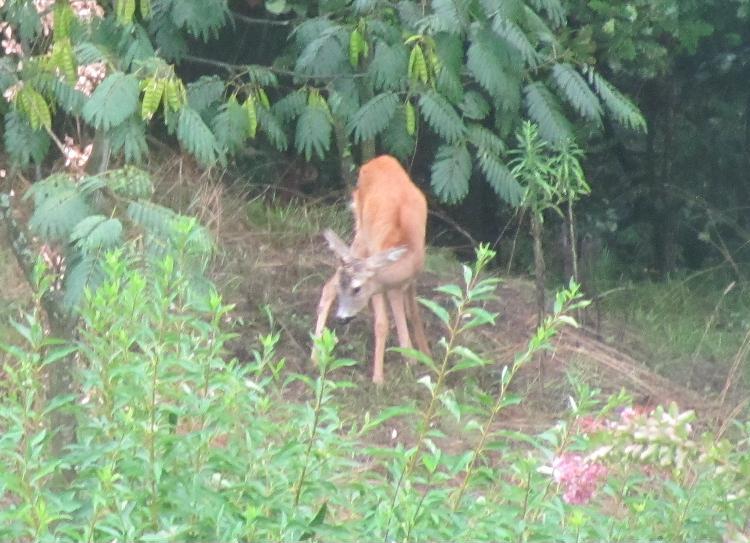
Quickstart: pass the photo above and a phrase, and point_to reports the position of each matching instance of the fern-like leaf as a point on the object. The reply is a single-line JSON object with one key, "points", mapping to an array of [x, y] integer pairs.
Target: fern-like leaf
{"points": [[485, 139], [451, 172], [487, 67], [373, 117], [22, 143], [88, 53], [204, 92], [622, 109], [515, 36], [231, 126], [261, 75], [272, 129], [153, 218], [313, 132], [326, 53], [388, 66], [290, 106], [396, 138], [202, 19], [441, 116], [544, 109], [113, 101], [554, 8], [84, 271], [474, 106], [58, 213], [577, 92], [96, 232], [196, 137], [500, 178], [129, 182], [129, 138]]}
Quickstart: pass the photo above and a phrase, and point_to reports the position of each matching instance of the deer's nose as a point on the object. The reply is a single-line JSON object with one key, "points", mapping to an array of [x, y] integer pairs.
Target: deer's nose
{"points": [[344, 320]]}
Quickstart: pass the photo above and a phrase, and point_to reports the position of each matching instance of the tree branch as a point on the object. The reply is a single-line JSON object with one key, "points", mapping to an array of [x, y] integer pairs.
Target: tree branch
{"points": [[256, 21]]}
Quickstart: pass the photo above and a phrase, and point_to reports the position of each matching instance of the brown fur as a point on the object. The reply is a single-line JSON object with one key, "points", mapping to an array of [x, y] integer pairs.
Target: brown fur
{"points": [[390, 215]]}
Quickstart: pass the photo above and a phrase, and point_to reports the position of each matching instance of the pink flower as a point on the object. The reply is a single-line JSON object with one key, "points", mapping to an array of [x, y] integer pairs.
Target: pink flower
{"points": [[578, 477], [89, 77], [11, 92], [75, 158], [10, 45], [86, 10]]}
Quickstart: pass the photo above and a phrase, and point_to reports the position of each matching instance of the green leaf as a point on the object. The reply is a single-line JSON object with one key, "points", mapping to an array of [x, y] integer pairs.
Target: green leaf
{"points": [[474, 106], [22, 143], [113, 101], [388, 66], [620, 107], [129, 138], [436, 309], [468, 359], [325, 54], [486, 65], [395, 138], [58, 213], [96, 232], [373, 117], [196, 137], [230, 126], [272, 129], [441, 116], [500, 178], [261, 75], [313, 132], [290, 106], [450, 173], [577, 92], [387, 414], [204, 92], [545, 110], [517, 38]]}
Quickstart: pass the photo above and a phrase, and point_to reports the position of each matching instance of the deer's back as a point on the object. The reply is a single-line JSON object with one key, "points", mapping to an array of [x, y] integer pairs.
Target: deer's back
{"points": [[390, 209]]}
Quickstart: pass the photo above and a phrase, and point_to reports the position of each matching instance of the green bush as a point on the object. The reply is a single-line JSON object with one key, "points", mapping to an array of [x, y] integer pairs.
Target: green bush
{"points": [[176, 442]]}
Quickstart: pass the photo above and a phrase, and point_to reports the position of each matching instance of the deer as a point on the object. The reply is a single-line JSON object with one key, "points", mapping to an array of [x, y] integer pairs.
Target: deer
{"points": [[383, 260]]}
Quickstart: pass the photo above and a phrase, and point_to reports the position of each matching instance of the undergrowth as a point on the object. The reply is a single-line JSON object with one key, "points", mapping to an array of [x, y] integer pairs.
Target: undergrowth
{"points": [[175, 441], [691, 327]]}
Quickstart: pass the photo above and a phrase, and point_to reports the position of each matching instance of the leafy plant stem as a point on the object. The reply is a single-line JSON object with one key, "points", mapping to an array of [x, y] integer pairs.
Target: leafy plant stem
{"points": [[319, 394]]}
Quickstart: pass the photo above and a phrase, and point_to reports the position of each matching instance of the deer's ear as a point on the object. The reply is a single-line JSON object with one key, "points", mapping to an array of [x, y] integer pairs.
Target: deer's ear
{"points": [[383, 258], [337, 245]]}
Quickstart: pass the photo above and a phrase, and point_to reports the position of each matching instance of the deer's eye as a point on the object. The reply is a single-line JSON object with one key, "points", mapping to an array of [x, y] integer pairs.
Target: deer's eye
{"points": [[355, 290]]}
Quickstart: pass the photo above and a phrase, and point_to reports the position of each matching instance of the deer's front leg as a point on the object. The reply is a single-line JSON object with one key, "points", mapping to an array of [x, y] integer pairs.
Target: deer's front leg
{"points": [[381, 335], [327, 296], [396, 299]]}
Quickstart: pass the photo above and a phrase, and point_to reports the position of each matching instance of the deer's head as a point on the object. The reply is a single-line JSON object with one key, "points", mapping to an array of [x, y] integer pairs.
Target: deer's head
{"points": [[357, 276]]}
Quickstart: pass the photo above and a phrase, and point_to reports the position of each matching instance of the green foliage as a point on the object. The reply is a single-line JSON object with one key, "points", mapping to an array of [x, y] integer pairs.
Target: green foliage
{"points": [[162, 421], [24, 144], [113, 101], [313, 132], [196, 137], [618, 105], [69, 216], [441, 116], [374, 116], [450, 172], [58, 207], [544, 109], [577, 92]]}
